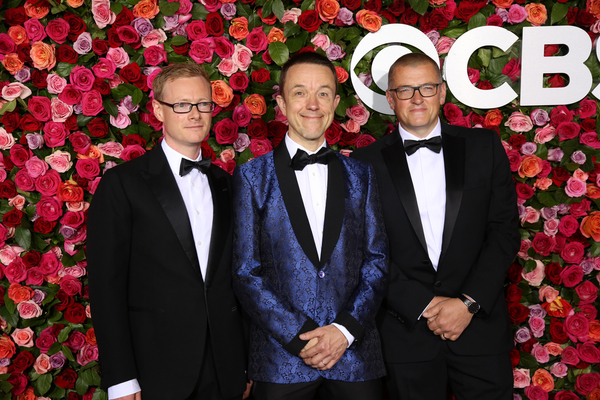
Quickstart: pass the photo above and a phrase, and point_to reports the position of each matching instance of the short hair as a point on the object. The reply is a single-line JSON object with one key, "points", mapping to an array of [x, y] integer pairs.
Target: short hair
{"points": [[175, 71], [308, 57], [413, 60]]}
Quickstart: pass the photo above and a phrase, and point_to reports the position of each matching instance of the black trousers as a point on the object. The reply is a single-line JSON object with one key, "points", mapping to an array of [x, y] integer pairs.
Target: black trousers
{"points": [[325, 389], [469, 377]]}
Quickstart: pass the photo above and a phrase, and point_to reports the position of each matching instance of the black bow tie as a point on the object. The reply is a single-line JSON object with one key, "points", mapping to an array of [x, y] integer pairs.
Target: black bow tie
{"points": [[187, 166], [434, 144], [302, 159]]}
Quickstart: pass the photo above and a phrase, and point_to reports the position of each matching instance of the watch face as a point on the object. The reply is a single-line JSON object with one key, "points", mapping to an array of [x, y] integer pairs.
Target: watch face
{"points": [[473, 308]]}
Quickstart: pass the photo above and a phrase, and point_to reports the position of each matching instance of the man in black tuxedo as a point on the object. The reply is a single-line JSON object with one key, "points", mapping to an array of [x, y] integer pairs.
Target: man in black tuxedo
{"points": [[450, 210], [159, 253]]}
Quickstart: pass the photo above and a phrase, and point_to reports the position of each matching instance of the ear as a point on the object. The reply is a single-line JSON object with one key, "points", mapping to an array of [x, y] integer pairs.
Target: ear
{"points": [[390, 99], [281, 104], [442, 93], [336, 101], [156, 107]]}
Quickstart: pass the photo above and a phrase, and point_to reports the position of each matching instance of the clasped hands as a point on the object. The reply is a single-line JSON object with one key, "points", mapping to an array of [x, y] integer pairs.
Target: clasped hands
{"points": [[447, 317], [325, 347]]}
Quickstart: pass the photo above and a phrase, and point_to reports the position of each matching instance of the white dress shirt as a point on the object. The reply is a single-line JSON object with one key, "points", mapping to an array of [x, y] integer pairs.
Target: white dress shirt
{"points": [[195, 191], [312, 181]]}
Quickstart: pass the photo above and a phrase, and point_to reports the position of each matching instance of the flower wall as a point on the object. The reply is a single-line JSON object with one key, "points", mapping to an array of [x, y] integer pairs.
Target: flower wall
{"points": [[76, 82]]}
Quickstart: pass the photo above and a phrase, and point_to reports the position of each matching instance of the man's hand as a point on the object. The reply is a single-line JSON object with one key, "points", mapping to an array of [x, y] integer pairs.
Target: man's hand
{"points": [[436, 300], [248, 390], [329, 349], [312, 342], [448, 319], [135, 396]]}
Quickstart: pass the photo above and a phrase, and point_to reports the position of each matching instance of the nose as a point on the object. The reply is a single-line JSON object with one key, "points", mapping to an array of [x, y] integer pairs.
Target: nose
{"points": [[195, 113], [417, 98], [313, 102]]}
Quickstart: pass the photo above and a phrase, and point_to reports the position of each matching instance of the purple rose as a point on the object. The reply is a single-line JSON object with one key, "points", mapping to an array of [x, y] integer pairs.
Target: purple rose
{"points": [[528, 148], [142, 26], [83, 44], [228, 11], [345, 16], [241, 143], [334, 52], [578, 157], [58, 360], [23, 75], [555, 154], [522, 335]]}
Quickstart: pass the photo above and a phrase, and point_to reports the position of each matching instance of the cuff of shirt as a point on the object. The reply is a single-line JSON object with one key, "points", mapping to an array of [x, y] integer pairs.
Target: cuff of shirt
{"points": [[425, 309], [345, 332], [123, 389]]}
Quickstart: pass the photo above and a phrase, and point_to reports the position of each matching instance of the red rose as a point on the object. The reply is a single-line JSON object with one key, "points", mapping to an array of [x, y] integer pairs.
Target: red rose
{"points": [[524, 191], [31, 258], [113, 37], [10, 120], [131, 152], [373, 5], [348, 138], [516, 141], [100, 46], [101, 85], [39, 78], [515, 357], [571, 14], [23, 361], [24, 52], [587, 292], [75, 314], [42, 225], [514, 273], [333, 134], [226, 131], [7, 189], [257, 129], [125, 17], [73, 395], [466, 10], [588, 125], [518, 313], [208, 152], [528, 345], [588, 352], [131, 73], [587, 382], [76, 26], [133, 139], [214, 24], [12, 218], [542, 243], [181, 49], [553, 271], [577, 327], [572, 253], [98, 128], [556, 80], [351, 4], [309, 20], [267, 19], [239, 81], [566, 395], [65, 53], [18, 381], [584, 19], [129, 35], [142, 83], [513, 293], [276, 129], [66, 379], [15, 16], [8, 163], [436, 19], [559, 176], [66, 301], [396, 8], [409, 17]]}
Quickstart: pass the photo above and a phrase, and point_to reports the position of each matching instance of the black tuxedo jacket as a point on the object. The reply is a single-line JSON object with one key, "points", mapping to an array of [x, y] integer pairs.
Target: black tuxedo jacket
{"points": [[480, 240], [153, 313]]}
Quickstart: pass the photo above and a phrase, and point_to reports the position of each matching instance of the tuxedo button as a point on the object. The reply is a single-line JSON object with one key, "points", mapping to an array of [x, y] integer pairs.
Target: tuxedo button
{"points": [[438, 284], [321, 274]]}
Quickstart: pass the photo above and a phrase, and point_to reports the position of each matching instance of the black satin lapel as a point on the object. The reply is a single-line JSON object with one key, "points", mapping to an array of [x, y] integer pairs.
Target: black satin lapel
{"points": [[221, 198], [292, 198], [454, 164], [162, 183], [334, 210], [395, 159]]}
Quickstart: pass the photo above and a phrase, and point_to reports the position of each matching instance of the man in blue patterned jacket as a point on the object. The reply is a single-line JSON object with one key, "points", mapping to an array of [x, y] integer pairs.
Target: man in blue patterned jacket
{"points": [[310, 253]]}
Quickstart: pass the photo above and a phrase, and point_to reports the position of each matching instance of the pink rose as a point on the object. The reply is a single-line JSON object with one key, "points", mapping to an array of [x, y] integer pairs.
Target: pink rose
{"points": [[545, 134], [58, 29], [36, 167], [49, 264], [227, 67], [102, 14], [91, 103], [112, 149], [83, 44], [587, 108], [15, 90], [538, 325], [519, 122], [40, 107], [257, 40], [7, 140], [548, 293], [531, 215], [551, 227], [570, 356], [87, 354], [201, 50], [241, 143], [16, 271], [70, 285], [34, 277], [242, 57], [258, 147], [444, 44], [29, 309], [588, 353], [88, 168], [590, 139], [351, 126], [70, 95], [23, 337], [132, 151], [223, 47], [55, 134], [572, 252], [42, 365], [516, 14], [320, 40], [196, 30], [226, 131], [82, 78], [559, 370], [242, 115], [155, 55], [358, 113], [104, 68], [535, 277], [118, 56], [122, 121], [49, 207], [587, 292], [540, 353], [554, 348], [60, 110], [576, 327], [575, 188], [291, 15], [35, 30], [536, 392], [521, 378], [24, 180], [154, 37], [47, 184]]}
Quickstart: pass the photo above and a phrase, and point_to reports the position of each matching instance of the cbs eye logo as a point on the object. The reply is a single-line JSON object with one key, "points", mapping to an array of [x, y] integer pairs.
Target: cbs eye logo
{"points": [[392, 35]]}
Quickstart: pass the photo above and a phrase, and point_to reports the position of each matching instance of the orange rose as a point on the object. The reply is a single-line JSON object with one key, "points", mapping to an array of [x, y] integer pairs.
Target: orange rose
{"points": [[342, 75], [92, 152], [69, 191], [256, 104], [492, 118], [594, 395], [502, 3], [536, 13], [12, 63], [594, 331], [90, 337], [369, 20], [590, 226], [554, 348], [327, 9], [75, 3], [543, 379], [37, 9], [593, 7], [7, 347], [593, 191], [222, 93], [43, 56], [239, 28], [530, 166], [276, 35], [558, 308], [19, 294], [18, 34], [146, 9], [27, 394]]}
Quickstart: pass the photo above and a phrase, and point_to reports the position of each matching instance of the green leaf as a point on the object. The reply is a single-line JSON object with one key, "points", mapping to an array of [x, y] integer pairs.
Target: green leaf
{"points": [[547, 199], [476, 21], [9, 303], [110, 107], [528, 361], [54, 348], [137, 96], [67, 352], [58, 9], [306, 4], [43, 383], [243, 10], [279, 52], [484, 55], [420, 6], [57, 393], [530, 265], [5, 386], [595, 249], [178, 40], [290, 29], [559, 11], [80, 386], [100, 395], [116, 7], [168, 8], [11, 317], [8, 107], [83, 120], [267, 8], [64, 334], [64, 69], [278, 8], [296, 43], [23, 237]]}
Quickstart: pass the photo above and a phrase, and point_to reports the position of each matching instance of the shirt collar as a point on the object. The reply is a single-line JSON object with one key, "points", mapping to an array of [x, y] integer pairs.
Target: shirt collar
{"points": [[437, 131], [174, 157], [293, 147]]}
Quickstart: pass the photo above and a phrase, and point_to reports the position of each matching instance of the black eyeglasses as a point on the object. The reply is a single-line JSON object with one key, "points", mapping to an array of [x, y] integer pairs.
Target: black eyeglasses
{"points": [[407, 92], [184, 108]]}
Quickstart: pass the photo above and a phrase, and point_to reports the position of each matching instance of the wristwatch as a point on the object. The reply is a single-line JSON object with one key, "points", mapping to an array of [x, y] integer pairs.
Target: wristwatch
{"points": [[472, 306]]}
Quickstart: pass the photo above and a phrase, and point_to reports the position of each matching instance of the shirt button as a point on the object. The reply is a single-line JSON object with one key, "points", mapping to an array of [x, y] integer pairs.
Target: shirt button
{"points": [[321, 274], [199, 243], [314, 174], [317, 204]]}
